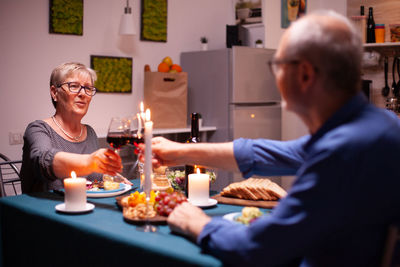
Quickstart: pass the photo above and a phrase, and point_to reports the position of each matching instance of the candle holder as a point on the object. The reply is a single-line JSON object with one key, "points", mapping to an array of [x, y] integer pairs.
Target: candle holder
{"points": [[147, 227], [148, 135], [74, 196]]}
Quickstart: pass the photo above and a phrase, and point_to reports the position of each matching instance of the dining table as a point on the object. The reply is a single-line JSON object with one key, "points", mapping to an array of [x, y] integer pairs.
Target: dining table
{"points": [[34, 233]]}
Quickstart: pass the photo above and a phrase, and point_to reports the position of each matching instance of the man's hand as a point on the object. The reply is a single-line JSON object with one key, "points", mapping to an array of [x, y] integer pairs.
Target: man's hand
{"points": [[188, 220], [165, 152]]}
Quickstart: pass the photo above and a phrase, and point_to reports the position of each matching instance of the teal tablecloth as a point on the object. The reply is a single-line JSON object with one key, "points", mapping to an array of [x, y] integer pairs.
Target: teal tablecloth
{"points": [[32, 233]]}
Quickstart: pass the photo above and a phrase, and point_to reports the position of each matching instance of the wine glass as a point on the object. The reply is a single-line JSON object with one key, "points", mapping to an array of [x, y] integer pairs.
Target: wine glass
{"points": [[136, 137], [118, 133], [118, 136]]}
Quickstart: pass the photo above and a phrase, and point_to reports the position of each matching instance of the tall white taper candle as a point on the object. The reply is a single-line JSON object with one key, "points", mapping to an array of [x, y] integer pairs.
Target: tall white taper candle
{"points": [[148, 135]]}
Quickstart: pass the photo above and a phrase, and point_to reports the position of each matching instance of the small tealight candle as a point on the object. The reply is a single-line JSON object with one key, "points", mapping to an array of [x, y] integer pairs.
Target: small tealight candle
{"points": [[75, 193], [199, 188]]}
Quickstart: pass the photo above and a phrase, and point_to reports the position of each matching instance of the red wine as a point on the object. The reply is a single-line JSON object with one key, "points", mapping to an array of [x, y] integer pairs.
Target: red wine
{"points": [[135, 139], [117, 140]]}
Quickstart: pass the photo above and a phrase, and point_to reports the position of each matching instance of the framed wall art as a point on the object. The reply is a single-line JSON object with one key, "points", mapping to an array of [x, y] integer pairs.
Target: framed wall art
{"points": [[114, 74], [291, 10], [154, 20], [66, 17]]}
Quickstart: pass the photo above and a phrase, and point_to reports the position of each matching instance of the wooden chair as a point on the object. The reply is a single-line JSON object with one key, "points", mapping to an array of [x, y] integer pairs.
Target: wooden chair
{"points": [[391, 253], [9, 176]]}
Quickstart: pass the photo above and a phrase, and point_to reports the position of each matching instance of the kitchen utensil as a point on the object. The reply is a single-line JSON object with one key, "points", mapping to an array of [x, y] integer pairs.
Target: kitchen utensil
{"points": [[397, 88], [392, 103], [386, 89], [394, 84]]}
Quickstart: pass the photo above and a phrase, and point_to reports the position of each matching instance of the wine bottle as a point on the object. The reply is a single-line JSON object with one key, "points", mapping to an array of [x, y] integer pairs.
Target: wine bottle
{"points": [[370, 27], [194, 138]]}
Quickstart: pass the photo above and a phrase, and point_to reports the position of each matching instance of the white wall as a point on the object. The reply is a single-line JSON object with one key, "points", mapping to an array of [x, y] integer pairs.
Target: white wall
{"points": [[28, 53], [292, 126]]}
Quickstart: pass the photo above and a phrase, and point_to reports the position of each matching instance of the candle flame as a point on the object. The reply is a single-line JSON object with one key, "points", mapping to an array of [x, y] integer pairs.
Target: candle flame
{"points": [[73, 175], [198, 170], [141, 107], [147, 114]]}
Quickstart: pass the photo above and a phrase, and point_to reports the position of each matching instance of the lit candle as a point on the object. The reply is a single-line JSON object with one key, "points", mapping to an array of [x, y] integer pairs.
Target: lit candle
{"points": [[139, 134], [142, 114], [148, 135], [75, 193], [199, 188]]}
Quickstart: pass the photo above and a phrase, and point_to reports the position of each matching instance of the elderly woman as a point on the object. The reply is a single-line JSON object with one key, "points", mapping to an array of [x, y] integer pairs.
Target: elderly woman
{"points": [[55, 146]]}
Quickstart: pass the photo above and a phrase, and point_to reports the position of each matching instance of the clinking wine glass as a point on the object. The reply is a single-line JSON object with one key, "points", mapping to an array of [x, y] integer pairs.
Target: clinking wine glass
{"points": [[118, 135], [136, 137]]}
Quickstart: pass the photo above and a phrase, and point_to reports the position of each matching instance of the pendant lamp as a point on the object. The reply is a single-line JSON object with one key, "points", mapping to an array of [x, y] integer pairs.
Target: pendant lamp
{"points": [[127, 25]]}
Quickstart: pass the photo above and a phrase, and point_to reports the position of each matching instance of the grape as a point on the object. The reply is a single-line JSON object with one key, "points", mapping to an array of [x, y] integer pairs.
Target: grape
{"points": [[166, 202], [159, 209], [168, 210], [172, 204]]}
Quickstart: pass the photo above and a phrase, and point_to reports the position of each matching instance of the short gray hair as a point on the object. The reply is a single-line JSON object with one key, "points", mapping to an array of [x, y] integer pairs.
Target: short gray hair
{"points": [[63, 71], [332, 44]]}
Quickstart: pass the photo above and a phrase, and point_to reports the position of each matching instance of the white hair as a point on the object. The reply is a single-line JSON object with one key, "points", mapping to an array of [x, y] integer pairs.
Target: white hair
{"points": [[332, 44], [63, 71]]}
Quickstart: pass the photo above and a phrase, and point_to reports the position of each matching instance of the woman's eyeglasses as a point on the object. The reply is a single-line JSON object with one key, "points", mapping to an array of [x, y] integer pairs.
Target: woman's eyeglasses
{"points": [[75, 87]]}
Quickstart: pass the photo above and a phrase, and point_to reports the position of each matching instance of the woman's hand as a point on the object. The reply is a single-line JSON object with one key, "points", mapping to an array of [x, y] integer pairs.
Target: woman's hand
{"points": [[105, 161]]}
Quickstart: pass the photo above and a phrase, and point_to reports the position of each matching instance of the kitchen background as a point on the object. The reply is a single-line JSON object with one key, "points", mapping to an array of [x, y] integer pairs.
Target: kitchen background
{"points": [[28, 53]]}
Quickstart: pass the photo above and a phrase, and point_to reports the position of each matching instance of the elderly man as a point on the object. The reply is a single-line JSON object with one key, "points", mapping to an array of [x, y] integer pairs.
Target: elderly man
{"points": [[346, 188]]}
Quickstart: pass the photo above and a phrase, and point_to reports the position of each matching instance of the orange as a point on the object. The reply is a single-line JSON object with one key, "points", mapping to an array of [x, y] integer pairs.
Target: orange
{"points": [[176, 67], [163, 67], [168, 60]]}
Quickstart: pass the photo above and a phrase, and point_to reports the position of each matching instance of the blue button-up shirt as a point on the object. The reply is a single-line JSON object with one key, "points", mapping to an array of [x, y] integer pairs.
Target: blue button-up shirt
{"points": [[345, 194]]}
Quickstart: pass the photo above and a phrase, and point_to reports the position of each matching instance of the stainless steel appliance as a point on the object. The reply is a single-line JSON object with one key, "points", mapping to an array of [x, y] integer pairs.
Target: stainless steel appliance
{"points": [[233, 90]]}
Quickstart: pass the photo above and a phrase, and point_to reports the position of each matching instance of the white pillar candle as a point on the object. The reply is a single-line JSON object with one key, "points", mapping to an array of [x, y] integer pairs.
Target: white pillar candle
{"points": [[199, 188], [75, 193], [148, 135]]}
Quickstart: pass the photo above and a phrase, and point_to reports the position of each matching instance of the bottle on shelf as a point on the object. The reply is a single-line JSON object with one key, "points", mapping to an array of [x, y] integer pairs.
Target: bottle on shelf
{"points": [[370, 27], [194, 138]]}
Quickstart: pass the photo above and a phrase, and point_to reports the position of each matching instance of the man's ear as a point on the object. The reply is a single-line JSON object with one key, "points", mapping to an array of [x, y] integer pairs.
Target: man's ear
{"points": [[307, 75]]}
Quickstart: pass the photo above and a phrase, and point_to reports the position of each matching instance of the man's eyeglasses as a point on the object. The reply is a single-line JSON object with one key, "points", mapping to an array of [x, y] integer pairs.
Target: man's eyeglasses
{"points": [[274, 64], [75, 87]]}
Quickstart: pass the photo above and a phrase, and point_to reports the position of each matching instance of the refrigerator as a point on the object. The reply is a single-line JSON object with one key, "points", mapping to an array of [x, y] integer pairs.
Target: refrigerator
{"points": [[234, 90]]}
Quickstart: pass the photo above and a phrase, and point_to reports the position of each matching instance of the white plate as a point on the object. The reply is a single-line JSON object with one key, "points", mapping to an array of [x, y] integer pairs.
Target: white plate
{"points": [[211, 202], [109, 194], [232, 216], [121, 187], [61, 208]]}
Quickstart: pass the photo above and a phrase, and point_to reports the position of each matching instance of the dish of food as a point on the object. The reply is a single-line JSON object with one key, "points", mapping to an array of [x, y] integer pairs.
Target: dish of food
{"points": [[96, 190], [232, 216], [246, 217], [109, 193], [254, 189], [161, 204]]}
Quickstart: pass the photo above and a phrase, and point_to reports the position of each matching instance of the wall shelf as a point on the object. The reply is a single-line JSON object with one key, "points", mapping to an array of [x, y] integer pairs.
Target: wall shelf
{"points": [[386, 44]]}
